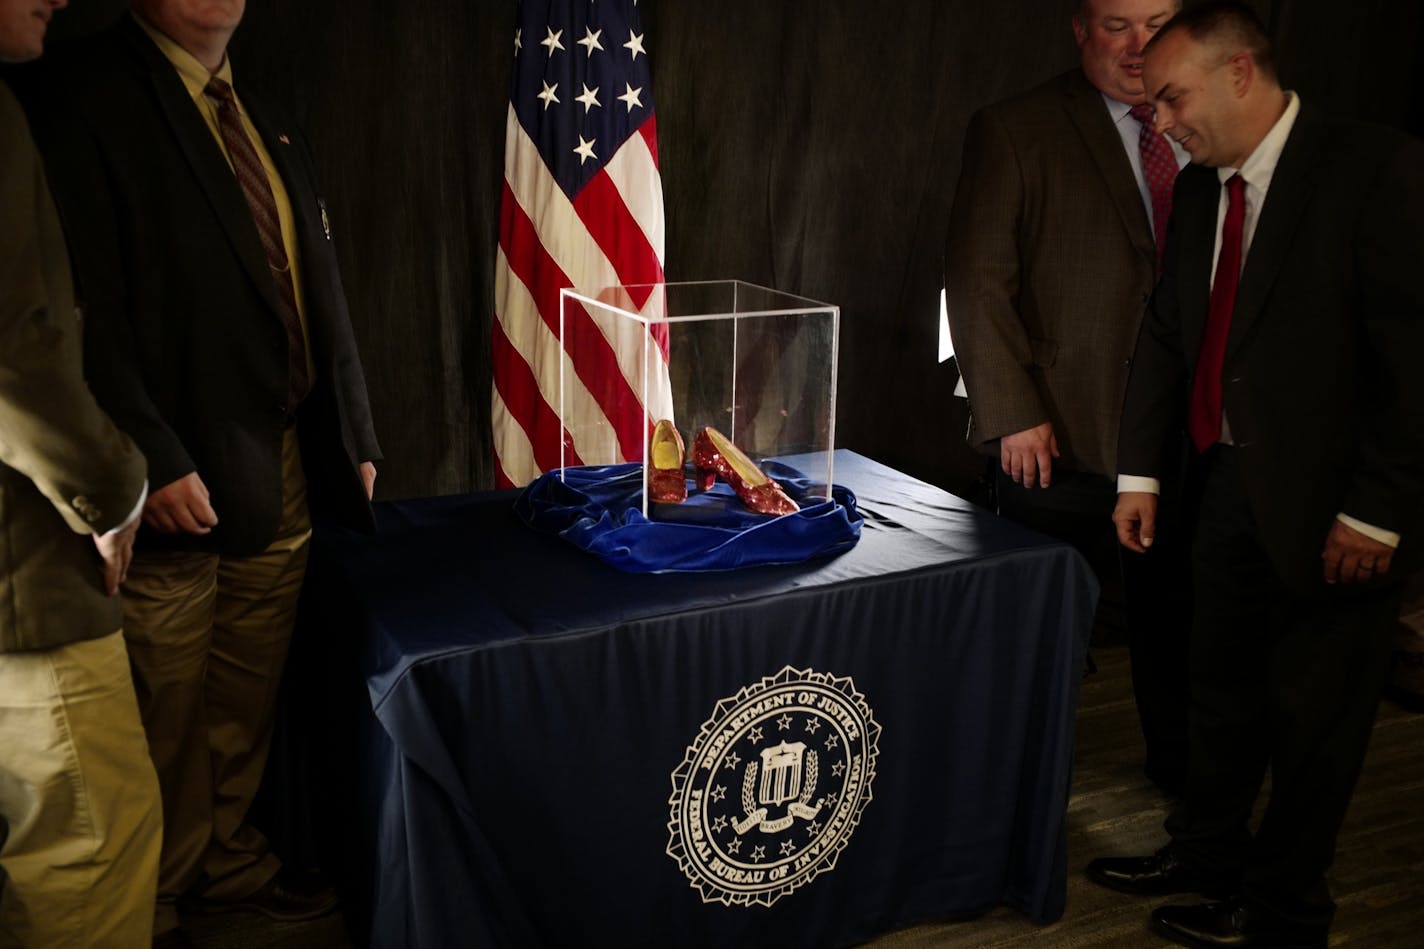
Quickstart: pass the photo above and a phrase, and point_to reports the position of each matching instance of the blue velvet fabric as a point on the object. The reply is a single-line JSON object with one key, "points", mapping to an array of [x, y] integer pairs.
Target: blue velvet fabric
{"points": [[599, 508]]}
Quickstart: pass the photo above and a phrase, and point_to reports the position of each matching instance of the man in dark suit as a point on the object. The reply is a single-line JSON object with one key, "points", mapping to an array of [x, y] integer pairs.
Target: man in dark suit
{"points": [[1053, 250], [79, 809], [219, 338], [1289, 322]]}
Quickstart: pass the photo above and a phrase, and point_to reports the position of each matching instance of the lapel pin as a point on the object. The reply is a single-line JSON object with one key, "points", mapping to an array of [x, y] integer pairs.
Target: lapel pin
{"points": [[284, 139]]}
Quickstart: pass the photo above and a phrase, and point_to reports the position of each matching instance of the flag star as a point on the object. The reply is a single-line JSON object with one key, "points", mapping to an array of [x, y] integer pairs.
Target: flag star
{"points": [[732, 759], [590, 40], [735, 846], [589, 98], [552, 40], [755, 735], [759, 854], [548, 95], [630, 98], [718, 793], [635, 44], [787, 847]]}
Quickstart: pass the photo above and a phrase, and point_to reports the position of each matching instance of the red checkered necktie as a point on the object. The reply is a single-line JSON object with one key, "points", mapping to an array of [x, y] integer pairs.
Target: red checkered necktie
{"points": [[1205, 419], [257, 191], [1159, 167]]}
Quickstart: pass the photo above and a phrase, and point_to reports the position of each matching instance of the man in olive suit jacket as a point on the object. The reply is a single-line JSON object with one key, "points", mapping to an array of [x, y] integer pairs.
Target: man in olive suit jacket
{"points": [[204, 254], [79, 810]]}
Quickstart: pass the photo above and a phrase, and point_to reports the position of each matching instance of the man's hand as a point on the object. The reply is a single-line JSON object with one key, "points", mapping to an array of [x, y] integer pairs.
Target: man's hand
{"points": [[116, 549], [1352, 557], [181, 507], [1135, 517], [1027, 456], [368, 478]]}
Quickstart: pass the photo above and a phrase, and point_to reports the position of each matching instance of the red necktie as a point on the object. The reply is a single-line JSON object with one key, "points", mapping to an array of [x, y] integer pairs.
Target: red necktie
{"points": [[1159, 167], [257, 191], [1205, 419]]}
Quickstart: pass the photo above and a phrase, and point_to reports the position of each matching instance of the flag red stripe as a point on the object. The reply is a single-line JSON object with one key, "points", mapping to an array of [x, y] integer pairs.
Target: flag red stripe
{"points": [[649, 131], [617, 233], [520, 391], [593, 357]]}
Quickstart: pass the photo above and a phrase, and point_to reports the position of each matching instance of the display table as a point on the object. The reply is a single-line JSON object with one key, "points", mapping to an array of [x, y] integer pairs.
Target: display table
{"points": [[518, 745]]}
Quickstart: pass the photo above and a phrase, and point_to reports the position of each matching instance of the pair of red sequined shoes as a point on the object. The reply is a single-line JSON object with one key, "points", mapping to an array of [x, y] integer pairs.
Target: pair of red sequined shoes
{"points": [[713, 456]]}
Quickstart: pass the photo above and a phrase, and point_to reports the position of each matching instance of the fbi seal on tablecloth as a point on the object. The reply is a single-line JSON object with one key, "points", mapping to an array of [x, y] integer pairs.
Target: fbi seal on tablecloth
{"points": [[769, 794]]}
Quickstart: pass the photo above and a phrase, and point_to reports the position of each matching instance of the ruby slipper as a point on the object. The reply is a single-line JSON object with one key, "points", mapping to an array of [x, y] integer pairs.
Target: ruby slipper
{"points": [[666, 482], [714, 456]]}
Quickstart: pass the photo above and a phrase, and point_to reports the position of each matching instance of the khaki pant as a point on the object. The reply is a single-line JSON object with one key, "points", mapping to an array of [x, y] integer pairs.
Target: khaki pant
{"points": [[79, 800], [208, 637]]}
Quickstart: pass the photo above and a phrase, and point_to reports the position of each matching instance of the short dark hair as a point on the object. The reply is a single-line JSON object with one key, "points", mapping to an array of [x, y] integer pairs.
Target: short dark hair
{"points": [[1227, 22]]}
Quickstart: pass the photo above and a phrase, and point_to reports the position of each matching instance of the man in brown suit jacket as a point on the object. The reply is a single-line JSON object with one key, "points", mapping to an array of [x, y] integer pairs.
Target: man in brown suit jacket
{"points": [[79, 809], [1050, 261]]}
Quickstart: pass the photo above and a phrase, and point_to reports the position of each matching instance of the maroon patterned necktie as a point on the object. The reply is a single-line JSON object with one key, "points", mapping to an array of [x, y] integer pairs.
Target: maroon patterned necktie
{"points": [[257, 191], [1205, 419], [1159, 167]]}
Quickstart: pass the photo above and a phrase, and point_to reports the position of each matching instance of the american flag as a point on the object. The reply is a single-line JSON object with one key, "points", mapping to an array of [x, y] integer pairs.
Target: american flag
{"points": [[583, 208]]}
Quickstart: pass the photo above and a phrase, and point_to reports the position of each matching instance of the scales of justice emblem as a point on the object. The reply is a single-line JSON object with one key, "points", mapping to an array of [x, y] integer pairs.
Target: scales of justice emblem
{"points": [[772, 789]]}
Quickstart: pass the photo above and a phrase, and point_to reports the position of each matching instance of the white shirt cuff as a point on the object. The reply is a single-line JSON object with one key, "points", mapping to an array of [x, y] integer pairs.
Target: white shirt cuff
{"points": [[1126, 483], [134, 514], [1388, 538]]}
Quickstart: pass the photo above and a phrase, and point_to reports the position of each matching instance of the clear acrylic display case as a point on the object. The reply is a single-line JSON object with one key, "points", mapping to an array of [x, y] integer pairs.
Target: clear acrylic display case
{"points": [[757, 364]]}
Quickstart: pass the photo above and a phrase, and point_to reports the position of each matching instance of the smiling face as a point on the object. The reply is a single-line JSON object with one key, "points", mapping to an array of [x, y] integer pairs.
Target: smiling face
{"points": [[22, 28], [202, 27], [193, 14], [1195, 91], [1111, 34]]}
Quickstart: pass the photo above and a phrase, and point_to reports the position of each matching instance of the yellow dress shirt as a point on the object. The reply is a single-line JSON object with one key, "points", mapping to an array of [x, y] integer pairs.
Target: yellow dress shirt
{"points": [[195, 77]]}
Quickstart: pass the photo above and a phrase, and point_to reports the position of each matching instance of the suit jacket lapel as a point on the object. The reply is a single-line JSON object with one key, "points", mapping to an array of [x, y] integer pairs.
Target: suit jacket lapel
{"points": [[207, 161], [1194, 215], [1286, 200], [1089, 115]]}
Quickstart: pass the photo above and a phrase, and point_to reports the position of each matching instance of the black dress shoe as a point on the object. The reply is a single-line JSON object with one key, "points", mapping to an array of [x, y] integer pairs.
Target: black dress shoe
{"points": [[1234, 924], [1158, 875], [287, 898]]}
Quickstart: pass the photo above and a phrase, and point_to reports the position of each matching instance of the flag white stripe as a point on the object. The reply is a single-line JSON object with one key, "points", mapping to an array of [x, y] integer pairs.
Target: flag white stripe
{"points": [[635, 175], [512, 447], [529, 336], [573, 249]]}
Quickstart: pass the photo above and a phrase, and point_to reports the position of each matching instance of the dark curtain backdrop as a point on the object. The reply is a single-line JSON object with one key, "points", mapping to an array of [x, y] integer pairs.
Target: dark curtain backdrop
{"points": [[810, 147]]}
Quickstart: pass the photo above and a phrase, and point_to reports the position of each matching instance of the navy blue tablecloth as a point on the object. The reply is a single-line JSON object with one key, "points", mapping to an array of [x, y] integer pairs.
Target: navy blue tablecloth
{"points": [[533, 748]]}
